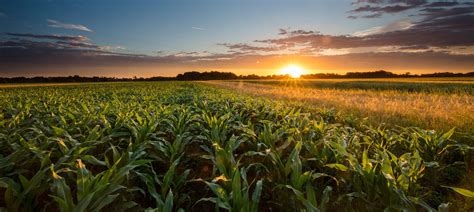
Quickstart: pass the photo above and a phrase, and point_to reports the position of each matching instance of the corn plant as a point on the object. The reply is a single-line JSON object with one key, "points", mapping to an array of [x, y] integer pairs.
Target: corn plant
{"points": [[161, 187], [237, 196], [223, 156], [94, 192]]}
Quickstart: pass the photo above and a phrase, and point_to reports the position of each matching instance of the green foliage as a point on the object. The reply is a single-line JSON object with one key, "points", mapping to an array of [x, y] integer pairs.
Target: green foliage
{"points": [[175, 146], [462, 191]]}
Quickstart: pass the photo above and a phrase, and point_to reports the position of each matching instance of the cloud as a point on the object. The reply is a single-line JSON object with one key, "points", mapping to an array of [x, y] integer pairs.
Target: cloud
{"points": [[241, 47], [112, 48], [57, 24], [296, 32], [377, 8], [433, 13], [49, 47], [53, 46], [445, 32], [442, 4], [78, 38], [197, 28], [402, 24], [368, 1], [384, 9], [373, 15], [79, 45], [438, 26], [3, 15]]}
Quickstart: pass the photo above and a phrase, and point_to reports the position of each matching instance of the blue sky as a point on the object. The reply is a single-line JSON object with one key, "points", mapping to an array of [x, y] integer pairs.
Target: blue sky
{"points": [[145, 27]]}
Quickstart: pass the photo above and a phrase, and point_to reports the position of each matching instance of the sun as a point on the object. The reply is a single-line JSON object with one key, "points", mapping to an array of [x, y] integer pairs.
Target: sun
{"points": [[294, 71]]}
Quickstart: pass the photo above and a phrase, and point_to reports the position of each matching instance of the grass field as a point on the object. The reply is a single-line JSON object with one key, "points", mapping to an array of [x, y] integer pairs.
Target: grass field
{"points": [[439, 104], [19, 85], [236, 146], [410, 85]]}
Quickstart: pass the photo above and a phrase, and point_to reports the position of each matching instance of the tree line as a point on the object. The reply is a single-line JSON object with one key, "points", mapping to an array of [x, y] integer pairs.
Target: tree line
{"points": [[216, 75]]}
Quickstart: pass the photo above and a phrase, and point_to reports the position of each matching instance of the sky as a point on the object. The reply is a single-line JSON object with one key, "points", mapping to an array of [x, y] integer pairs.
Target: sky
{"points": [[125, 38]]}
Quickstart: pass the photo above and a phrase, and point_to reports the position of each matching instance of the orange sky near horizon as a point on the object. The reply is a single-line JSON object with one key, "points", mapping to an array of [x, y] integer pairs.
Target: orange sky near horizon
{"points": [[259, 65]]}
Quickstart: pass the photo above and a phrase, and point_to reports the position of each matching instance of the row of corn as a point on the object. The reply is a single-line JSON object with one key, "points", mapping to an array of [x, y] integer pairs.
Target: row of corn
{"points": [[174, 146]]}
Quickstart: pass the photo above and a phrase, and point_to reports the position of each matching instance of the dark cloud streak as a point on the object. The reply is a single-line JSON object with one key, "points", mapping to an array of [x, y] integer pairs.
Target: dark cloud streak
{"points": [[78, 38], [377, 8], [240, 47]]}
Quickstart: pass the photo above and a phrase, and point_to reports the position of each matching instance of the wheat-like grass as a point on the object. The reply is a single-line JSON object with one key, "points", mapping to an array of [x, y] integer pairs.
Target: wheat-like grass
{"points": [[427, 110]]}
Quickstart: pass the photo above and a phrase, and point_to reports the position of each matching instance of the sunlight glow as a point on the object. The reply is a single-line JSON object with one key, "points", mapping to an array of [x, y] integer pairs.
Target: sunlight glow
{"points": [[294, 71]]}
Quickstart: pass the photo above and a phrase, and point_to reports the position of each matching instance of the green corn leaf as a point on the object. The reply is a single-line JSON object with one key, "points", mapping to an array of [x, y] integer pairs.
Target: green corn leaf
{"points": [[168, 207], [337, 166], [237, 189], [462, 191], [387, 167], [300, 196], [256, 194], [325, 198], [93, 160], [83, 204], [106, 201], [58, 131], [448, 134], [311, 194]]}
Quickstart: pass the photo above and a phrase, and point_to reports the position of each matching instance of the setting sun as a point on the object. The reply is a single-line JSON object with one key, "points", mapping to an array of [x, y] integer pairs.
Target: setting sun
{"points": [[294, 71]]}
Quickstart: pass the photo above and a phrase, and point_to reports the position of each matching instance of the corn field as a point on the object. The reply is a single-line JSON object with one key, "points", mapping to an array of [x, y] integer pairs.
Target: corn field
{"points": [[182, 146]]}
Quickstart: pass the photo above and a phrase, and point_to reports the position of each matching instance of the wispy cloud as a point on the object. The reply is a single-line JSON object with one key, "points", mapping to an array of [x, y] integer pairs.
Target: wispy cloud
{"points": [[242, 47], [395, 26], [58, 24], [78, 38], [197, 28], [3, 14]]}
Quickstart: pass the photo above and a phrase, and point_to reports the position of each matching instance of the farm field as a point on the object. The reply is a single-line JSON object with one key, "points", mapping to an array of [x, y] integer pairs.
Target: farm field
{"points": [[429, 103], [460, 85], [17, 85], [237, 146]]}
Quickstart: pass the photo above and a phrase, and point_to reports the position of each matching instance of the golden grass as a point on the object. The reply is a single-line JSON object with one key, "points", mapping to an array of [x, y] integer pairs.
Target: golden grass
{"points": [[426, 110], [469, 80]]}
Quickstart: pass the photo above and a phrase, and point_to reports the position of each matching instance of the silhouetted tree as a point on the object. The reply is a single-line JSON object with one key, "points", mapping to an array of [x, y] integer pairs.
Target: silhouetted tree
{"points": [[215, 75], [212, 75]]}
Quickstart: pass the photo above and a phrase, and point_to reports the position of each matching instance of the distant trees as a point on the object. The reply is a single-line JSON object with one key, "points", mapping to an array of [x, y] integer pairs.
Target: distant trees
{"points": [[374, 74], [370, 74], [216, 75], [449, 74], [76, 78], [321, 76], [383, 74], [212, 75]]}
